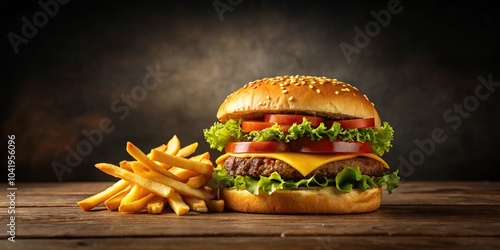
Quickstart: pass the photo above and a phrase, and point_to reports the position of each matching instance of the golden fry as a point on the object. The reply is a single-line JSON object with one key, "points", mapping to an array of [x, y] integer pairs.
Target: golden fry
{"points": [[161, 148], [196, 204], [207, 161], [155, 205], [183, 174], [126, 165], [102, 196], [187, 150], [173, 146], [164, 175], [182, 162], [180, 187], [198, 181], [177, 204], [134, 194], [141, 157], [201, 157], [215, 206], [114, 201], [137, 205], [152, 186]]}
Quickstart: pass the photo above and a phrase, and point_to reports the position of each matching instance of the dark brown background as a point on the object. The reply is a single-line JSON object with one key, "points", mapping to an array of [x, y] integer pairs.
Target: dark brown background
{"points": [[65, 79]]}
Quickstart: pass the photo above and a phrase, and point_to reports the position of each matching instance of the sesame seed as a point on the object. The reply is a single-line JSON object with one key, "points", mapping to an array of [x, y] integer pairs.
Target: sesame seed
{"points": [[318, 91], [373, 104], [268, 98], [281, 85], [311, 86], [284, 91], [290, 98], [337, 92]]}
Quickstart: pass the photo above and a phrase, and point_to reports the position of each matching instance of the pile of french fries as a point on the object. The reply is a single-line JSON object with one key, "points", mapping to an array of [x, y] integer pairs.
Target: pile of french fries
{"points": [[165, 175]]}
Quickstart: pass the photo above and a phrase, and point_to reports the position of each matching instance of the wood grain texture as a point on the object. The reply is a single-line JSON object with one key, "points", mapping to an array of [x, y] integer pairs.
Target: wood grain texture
{"points": [[417, 215]]}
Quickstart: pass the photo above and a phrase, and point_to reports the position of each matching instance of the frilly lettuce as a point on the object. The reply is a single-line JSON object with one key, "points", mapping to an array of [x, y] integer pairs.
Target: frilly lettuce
{"points": [[221, 133], [345, 181]]}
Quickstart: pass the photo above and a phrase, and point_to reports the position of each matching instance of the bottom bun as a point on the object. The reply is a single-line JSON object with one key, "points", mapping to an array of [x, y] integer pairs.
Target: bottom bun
{"points": [[317, 200]]}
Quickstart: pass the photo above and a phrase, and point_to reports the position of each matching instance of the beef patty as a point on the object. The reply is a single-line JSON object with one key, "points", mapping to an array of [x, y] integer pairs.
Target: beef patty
{"points": [[256, 167]]}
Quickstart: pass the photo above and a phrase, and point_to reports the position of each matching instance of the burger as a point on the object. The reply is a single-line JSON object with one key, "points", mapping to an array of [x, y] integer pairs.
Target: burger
{"points": [[300, 145]]}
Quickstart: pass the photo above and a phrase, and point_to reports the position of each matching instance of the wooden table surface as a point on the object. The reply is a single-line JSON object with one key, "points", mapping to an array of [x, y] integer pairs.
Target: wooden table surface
{"points": [[426, 215]]}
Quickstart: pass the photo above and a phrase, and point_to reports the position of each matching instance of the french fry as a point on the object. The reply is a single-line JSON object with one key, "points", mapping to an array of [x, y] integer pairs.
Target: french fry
{"points": [[173, 146], [196, 204], [161, 148], [114, 201], [102, 196], [168, 173], [207, 161], [126, 165], [182, 173], [198, 181], [185, 174], [141, 157], [173, 160], [137, 205], [155, 205], [135, 193], [152, 186], [215, 205], [187, 150], [177, 204], [180, 187], [200, 157]]}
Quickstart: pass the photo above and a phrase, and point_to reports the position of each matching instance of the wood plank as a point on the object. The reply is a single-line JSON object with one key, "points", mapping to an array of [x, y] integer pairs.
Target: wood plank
{"points": [[445, 193], [425, 215], [245, 242], [432, 193], [390, 220]]}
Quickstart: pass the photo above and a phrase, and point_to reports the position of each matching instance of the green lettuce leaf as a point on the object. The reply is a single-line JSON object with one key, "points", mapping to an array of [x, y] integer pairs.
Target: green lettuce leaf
{"points": [[219, 134], [345, 181]]}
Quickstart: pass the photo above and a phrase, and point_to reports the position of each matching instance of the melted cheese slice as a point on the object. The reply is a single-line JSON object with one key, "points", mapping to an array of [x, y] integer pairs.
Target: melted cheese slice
{"points": [[304, 163]]}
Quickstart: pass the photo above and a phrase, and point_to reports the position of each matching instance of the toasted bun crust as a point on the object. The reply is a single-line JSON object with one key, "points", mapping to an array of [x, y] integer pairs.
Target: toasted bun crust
{"points": [[318, 96], [321, 200]]}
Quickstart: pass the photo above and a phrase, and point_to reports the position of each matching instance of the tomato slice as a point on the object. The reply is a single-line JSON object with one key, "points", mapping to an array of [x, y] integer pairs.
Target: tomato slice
{"points": [[291, 119], [256, 147], [306, 145], [353, 123], [248, 126]]}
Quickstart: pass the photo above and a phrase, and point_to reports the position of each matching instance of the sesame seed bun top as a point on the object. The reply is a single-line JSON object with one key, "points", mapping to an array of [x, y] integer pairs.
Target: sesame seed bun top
{"points": [[308, 95]]}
